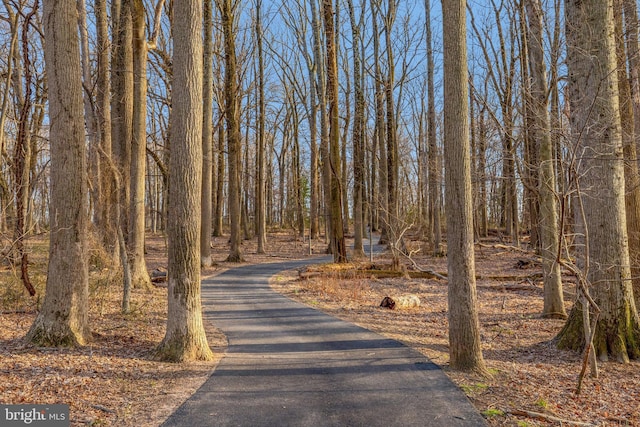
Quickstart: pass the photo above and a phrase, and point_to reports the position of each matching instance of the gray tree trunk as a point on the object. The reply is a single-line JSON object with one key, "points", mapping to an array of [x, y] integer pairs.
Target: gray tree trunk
{"points": [[185, 337], [540, 131], [595, 128], [207, 138], [135, 242], [63, 319]]}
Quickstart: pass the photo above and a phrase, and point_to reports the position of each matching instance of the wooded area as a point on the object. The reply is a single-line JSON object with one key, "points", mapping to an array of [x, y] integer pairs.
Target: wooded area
{"points": [[329, 119]]}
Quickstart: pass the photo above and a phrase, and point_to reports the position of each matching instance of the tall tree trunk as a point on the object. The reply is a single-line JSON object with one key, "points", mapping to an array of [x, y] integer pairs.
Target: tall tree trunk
{"points": [[135, 242], [540, 129], [260, 209], [358, 132], [464, 329], [432, 153], [63, 318], [393, 220], [185, 337], [234, 145], [106, 198], [90, 117], [122, 100], [595, 124], [22, 160], [629, 147], [207, 137], [4, 194], [381, 201], [633, 53], [324, 119], [337, 228]]}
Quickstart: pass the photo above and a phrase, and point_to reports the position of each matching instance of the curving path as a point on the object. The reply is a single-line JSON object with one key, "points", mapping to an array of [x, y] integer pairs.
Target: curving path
{"points": [[290, 365]]}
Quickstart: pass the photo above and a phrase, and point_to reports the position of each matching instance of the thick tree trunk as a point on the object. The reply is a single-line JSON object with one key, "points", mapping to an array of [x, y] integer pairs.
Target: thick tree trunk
{"points": [[595, 123], [185, 337], [464, 329], [63, 319]]}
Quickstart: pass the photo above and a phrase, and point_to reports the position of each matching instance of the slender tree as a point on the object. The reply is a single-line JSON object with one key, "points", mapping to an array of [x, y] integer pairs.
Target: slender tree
{"points": [[432, 153], [260, 208], [135, 236], [338, 246], [464, 330], [207, 137], [540, 130], [358, 130], [234, 144]]}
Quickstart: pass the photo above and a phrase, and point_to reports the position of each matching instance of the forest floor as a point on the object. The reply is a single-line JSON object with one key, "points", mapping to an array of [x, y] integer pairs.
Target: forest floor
{"points": [[115, 381]]}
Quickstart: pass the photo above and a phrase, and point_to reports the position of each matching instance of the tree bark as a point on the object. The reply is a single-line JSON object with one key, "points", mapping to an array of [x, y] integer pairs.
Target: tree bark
{"points": [[358, 133], [337, 228], [260, 209], [633, 54], [135, 242], [540, 130], [595, 127], [63, 318], [122, 101], [185, 338], [106, 192], [464, 330], [432, 153], [207, 137], [234, 145]]}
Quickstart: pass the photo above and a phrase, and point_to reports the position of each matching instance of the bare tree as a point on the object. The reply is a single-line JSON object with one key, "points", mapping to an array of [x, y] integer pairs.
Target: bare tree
{"points": [[207, 137], [597, 139], [540, 130], [185, 337], [338, 246], [432, 153], [260, 208], [234, 144], [358, 128], [135, 236], [464, 330], [63, 318]]}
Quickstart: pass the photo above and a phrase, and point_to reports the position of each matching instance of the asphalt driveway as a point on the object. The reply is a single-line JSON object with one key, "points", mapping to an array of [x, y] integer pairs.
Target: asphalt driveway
{"points": [[290, 365]]}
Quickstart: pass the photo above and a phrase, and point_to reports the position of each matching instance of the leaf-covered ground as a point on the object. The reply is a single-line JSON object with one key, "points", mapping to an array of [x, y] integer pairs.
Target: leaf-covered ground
{"points": [[114, 381], [533, 382]]}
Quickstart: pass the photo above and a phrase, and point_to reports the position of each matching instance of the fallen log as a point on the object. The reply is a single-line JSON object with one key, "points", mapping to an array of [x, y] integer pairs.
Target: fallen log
{"points": [[545, 417]]}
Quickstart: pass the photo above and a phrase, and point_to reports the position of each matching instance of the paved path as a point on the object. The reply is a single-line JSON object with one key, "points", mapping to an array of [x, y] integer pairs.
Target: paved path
{"points": [[290, 365]]}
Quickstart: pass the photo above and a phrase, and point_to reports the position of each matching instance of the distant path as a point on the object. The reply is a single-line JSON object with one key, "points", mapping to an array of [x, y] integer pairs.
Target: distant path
{"points": [[290, 365]]}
